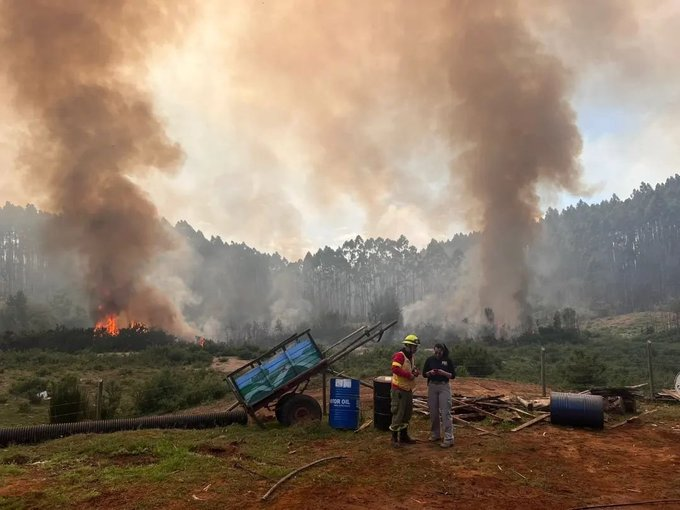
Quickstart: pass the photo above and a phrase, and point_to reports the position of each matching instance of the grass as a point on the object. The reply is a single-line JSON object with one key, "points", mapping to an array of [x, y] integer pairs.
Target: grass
{"points": [[157, 468], [161, 466], [24, 373], [83, 468]]}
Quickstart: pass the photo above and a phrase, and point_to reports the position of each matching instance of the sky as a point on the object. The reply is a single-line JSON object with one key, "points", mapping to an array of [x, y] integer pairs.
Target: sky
{"points": [[248, 173]]}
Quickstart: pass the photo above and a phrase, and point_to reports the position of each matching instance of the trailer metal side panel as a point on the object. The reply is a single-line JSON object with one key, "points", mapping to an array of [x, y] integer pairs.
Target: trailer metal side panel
{"points": [[274, 371]]}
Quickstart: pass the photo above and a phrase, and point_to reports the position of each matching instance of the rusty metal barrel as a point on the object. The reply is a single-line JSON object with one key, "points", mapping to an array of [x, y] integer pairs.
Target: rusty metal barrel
{"points": [[382, 416]]}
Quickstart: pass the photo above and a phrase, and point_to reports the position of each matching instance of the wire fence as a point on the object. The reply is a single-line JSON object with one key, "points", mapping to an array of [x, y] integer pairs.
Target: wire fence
{"points": [[94, 399], [556, 367]]}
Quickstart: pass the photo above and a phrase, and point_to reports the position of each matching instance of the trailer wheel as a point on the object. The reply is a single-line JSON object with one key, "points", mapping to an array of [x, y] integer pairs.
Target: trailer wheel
{"points": [[300, 409], [279, 406]]}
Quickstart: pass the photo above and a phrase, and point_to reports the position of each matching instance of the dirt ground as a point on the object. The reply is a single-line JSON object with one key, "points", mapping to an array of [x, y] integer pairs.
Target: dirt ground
{"points": [[543, 466], [540, 467], [228, 365]]}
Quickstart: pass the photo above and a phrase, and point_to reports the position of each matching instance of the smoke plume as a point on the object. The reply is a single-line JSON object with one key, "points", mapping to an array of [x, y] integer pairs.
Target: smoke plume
{"points": [[417, 114], [342, 83], [516, 129], [367, 84], [76, 66]]}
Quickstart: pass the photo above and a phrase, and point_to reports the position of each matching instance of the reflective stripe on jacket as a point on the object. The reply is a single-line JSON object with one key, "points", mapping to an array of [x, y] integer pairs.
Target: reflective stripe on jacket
{"points": [[401, 366]]}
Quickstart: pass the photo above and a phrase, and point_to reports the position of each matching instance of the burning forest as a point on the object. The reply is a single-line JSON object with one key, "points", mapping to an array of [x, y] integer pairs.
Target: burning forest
{"points": [[376, 117], [72, 68]]}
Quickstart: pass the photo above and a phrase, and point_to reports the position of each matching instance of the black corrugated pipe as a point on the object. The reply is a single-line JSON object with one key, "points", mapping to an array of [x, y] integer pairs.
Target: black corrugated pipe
{"points": [[37, 433]]}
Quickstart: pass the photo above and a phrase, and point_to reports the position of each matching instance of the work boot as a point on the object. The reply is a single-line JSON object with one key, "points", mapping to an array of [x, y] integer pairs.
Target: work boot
{"points": [[395, 439], [404, 437]]}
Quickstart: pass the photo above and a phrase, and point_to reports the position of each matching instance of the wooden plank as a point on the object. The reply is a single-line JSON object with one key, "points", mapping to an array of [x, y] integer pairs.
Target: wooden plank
{"points": [[670, 393], [460, 420], [526, 403], [531, 422], [480, 410], [632, 419], [517, 410], [363, 426], [504, 406]]}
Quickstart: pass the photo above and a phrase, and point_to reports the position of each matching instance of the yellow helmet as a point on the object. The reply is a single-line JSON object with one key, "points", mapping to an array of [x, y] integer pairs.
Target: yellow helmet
{"points": [[411, 340]]}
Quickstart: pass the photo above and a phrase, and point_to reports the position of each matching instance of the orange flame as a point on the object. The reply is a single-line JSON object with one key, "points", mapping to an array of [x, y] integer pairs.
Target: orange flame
{"points": [[107, 325]]}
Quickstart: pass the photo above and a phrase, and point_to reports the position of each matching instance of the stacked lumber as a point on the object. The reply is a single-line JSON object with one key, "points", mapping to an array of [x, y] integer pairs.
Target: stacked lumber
{"points": [[619, 399], [524, 412], [497, 408], [668, 396]]}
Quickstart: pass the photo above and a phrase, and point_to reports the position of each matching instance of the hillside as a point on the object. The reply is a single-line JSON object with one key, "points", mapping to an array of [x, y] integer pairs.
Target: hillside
{"points": [[631, 324]]}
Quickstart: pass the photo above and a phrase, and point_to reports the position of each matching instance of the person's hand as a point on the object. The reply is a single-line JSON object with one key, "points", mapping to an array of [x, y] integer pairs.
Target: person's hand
{"points": [[415, 372]]}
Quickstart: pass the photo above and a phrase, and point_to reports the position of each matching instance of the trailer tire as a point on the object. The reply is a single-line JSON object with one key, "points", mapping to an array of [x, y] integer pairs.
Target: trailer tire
{"points": [[279, 406], [300, 409]]}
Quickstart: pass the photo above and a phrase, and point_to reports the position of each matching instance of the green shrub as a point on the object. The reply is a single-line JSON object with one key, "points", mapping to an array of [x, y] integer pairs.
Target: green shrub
{"points": [[160, 393], [177, 354], [28, 387], [111, 395], [34, 399], [477, 360], [583, 370], [68, 403], [171, 390]]}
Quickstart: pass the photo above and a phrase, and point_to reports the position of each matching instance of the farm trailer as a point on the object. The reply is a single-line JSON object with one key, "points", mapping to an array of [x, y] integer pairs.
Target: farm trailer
{"points": [[277, 379]]}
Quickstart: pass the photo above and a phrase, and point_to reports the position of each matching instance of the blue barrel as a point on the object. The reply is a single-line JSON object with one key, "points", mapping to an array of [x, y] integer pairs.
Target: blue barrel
{"points": [[577, 410], [344, 410]]}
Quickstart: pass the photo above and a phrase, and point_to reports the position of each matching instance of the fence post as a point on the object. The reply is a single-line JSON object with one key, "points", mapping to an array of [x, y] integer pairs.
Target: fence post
{"points": [[323, 385], [100, 396], [649, 367], [543, 370]]}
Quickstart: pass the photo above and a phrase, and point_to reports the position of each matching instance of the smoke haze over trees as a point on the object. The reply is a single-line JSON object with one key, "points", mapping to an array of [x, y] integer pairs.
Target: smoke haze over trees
{"points": [[281, 123], [617, 256]]}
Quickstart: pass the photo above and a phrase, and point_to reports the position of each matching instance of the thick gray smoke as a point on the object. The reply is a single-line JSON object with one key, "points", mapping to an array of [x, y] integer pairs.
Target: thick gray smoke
{"points": [[367, 83], [75, 66], [415, 113]]}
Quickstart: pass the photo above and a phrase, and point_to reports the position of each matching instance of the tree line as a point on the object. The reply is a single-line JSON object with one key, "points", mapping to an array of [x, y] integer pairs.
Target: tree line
{"points": [[616, 256]]}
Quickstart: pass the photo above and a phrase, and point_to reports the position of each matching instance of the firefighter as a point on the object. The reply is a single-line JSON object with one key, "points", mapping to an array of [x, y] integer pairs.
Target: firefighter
{"points": [[404, 373]]}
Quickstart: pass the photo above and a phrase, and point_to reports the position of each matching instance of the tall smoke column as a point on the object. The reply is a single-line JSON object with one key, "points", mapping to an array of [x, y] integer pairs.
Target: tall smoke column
{"points": [[74, 65], [366, 83], [516, 129]]}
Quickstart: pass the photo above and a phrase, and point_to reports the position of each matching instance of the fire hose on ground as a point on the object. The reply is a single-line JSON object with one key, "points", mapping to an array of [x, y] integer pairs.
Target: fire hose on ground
{"points": [[37, 433]]}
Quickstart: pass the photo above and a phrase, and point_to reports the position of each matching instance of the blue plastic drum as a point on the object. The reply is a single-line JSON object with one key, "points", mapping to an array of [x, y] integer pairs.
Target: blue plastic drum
{"points": [[577, 410], [344, 409]]}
